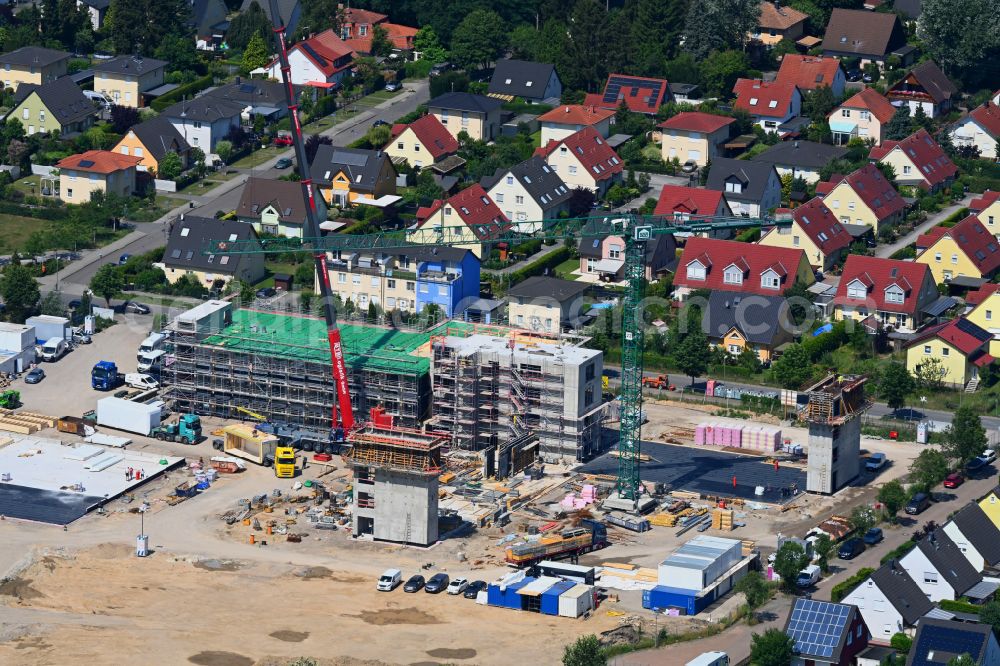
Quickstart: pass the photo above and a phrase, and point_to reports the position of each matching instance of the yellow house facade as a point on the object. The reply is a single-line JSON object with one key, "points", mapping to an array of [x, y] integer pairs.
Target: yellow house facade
{"points": [[881, 206], [960, 347], [445, 225], [469, 216], [476, 115], [32, 64], [693, 136], [421, 143], [125, 78], [986, 315], [990, 504], [966, 250], [957, 371], [794, 238], [95, 171]]}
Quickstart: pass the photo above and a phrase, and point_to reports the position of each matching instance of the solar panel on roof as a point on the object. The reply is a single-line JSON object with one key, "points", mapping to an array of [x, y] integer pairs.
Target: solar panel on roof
{"points": [[350, 159], [967, 326], [947, 640], [816, 626]]}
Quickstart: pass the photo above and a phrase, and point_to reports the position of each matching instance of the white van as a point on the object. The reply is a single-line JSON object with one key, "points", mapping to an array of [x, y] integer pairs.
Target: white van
{"points": [[151, 344], [141, 381], [389, 580], [153, 361], [54, 349], [808, 576], [714, 658]]}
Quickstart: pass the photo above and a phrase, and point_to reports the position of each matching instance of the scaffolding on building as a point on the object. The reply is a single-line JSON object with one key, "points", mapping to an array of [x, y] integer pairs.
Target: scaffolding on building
{"points": [[837, 399], [396, 449]]}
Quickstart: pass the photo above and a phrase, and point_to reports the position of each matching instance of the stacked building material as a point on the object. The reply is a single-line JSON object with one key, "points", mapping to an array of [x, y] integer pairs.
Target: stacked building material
{"points": [[734, 435], [722, 519]]}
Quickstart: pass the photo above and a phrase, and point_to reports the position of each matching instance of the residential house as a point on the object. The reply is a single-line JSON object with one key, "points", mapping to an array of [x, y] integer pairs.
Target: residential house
{"points": [[870, 36], [747, 268], [975, 535], [778, 22], [739, 322], [811, 72], [124, 79], [469, 217], [95, 171], [981, 128], [276, 207], [895, 292], [32, 64], [290, 12], [421, 143], [351, 176], [528, 193], [323, 61], [151, 141], [54, 107], [602, 259], [985, 312], [406, 279], [962, 348], [987, 209], [259, 97], [204, 121], [545, 304], [864, 197], [825, 633], [918, 160], [584, 159], [639, 93], [938, 567], [531, 81], [476, 115], [690, 204], [967, 249], [890, 602], [185, 254], [924, 87], [861, 116], [209, 24], [358, 29], [814, 229], [938, 642], [769, 103], [694, 136], [97, 10], [800, 159], [752, 189], [990, 504], [568, 119]]}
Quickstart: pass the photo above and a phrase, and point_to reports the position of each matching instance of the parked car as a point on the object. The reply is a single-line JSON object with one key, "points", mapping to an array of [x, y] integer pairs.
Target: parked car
{"points": [[437, 583], [283, 163], [439, 68], [690, 166], [392, 87], [81, 338], [390, 580], [853, 75], [918, 504], [989, 455], [873, 536], [379, 123], [474, 588], [808, 576], [458, 586], [851, 549], [414, 583], [975, 465], [875, 462], [953, 480], [34, 376], [137, 308], [266, 292], [75, 304]]}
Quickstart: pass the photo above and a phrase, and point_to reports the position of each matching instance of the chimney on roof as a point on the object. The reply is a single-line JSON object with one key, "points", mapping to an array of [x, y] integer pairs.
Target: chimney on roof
{"points": [[566, 109]]}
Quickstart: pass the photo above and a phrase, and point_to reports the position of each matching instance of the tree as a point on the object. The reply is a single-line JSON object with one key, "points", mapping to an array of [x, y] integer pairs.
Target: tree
{"points": [[170, 166], [123, 118], [581, 201], [895, 385], [959, 33], [965, 438], [427, 45], [893, 496], [819, 103], [693, 353], [479, 39], [990, 614], [586, 651], [822, 547], [313, 142], [929, 468], [381, 44], [901, 642], [930, 374], [963, 659], [771, 648], [583, 66], [319, 15], [900, 125], [716, 25], [524, 42], [255, 55], [793, 368], [224, 149], [246, 24], [720, 70], [107, 282], [52, 304], [862, 519], [180, 52], [754, 588], [790, 559], [19, 290]]}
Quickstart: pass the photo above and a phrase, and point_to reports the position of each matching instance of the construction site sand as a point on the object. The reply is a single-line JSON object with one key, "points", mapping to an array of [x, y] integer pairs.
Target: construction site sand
{"points": [[105, 604]]}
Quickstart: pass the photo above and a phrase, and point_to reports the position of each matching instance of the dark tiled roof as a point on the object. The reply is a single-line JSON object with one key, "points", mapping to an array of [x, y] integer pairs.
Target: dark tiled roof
{"points": [[28, 56], [253, 91], [204, 109], [61, 97], [754, 176], [526, 79], [757, 318], [801, 154], [462, 101], [949, 561], [902, 592], [540, 286], [939, 641], [159, 137], [931, 78], [860, 32], [362, 167], [129, 65], [977, 527], [189, 238], [285, 196], [541, 183]]}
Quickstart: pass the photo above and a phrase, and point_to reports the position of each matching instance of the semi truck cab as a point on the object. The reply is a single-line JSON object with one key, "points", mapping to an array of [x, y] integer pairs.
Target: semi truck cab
{"points": [[284, 462]]}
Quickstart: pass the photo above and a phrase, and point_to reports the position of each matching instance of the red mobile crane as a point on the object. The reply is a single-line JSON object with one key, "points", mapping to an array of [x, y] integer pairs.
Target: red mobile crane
{"points": [[312, 226]]}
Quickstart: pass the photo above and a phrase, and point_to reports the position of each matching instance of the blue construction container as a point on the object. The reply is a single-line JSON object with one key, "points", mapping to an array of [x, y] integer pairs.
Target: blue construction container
{"points": [[550, 597], [662, 597], [507, 598]]}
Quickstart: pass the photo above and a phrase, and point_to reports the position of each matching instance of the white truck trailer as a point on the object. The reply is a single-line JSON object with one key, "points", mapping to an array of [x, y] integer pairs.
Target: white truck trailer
{"points": [[138, 417]]}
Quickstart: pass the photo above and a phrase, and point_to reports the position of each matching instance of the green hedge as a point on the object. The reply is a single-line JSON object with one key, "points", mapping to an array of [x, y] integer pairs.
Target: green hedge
{"points": [[39, 212], [177, 94], [841, 590], [899, 551], [959, 606]]}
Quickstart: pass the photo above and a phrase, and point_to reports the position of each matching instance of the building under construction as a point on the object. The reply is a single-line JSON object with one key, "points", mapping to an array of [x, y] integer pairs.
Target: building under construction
{"points": [[833, 414], [395, 481], [492, 389]]}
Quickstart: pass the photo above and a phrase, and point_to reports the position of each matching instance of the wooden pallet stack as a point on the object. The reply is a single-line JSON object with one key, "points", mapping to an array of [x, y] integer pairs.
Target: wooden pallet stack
{"points": [[722, 519], [25, 423]]}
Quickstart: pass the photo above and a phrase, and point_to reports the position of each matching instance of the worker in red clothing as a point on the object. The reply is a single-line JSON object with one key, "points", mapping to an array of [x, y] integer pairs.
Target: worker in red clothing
{"points": [[775, 465], [734, 480]]}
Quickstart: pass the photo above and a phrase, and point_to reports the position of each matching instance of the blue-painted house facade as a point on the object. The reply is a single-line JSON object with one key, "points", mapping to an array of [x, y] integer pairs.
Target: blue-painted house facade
{"points": [[447, 277]]}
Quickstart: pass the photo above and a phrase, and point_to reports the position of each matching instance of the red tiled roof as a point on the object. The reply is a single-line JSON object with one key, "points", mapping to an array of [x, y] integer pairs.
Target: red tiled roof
{"points": [[961, 334], [877, 274], [875, 191], [974, 240], [773, 18], [762, 98], [401, 36], [984, 202], [978, 296], [808, 72], [353, 16], [925, 154], [873, 101], [826, 186], [822, 226], [987, 116], [434, 136], [925, 240], [576, 114], [324, 50], [696, 121], [98, 161], [591, 150], [640, 94], [476, 209], [722, 253], [687, 200]]}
